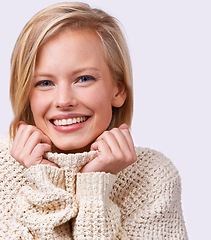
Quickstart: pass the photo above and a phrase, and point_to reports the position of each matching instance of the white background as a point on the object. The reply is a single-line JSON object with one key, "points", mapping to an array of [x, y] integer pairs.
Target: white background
{"points": [[170, 44]]}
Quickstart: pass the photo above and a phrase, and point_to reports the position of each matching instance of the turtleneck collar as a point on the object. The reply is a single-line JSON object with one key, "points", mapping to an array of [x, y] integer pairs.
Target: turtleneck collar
{"points": [[74, 161]]}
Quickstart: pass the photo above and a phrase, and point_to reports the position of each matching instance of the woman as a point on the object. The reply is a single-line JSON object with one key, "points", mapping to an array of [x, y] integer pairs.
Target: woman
{"points": [[71, 170]]}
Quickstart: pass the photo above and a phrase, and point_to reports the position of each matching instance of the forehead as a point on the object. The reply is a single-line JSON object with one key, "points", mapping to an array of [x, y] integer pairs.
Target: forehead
{"points": [[87, 34], [71, 50], [83, 40]]}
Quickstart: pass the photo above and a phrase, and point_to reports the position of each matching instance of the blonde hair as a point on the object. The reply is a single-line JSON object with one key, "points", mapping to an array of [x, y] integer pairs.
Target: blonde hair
{"points": [[49, 22]]}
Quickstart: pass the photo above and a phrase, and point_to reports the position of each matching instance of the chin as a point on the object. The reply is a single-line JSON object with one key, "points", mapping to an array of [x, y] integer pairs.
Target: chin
{"points": [[71, 149]]}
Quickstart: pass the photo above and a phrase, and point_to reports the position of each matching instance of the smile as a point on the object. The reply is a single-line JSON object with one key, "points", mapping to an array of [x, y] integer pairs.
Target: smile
{"points": [[69, 121]]}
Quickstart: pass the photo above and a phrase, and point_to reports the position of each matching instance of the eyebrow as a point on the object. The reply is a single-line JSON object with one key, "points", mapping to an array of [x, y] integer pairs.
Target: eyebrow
{"points": [[73, 73], [85, 69], [43, 75]]}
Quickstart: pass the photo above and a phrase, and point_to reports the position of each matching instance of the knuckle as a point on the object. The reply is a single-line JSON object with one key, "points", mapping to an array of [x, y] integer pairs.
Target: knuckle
{"points": [[28, 128], [101, 141], [126, 130], [115, 130], [104, 133], [108, 133], [21, 127], [40, 149], [37, 134], [31, 129]]}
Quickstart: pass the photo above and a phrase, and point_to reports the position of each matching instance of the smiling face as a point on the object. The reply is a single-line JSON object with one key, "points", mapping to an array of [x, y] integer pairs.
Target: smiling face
{"points": [[72, 90]]}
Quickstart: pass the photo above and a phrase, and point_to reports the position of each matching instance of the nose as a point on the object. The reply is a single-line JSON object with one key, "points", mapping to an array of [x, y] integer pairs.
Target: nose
{"points": [[65, 97]]}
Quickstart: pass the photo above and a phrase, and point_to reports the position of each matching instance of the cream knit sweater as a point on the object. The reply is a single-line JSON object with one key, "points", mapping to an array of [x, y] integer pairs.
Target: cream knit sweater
{"points": [[46, 202]]}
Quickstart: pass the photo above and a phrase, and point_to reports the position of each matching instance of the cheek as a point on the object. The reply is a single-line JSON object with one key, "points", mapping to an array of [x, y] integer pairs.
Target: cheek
{"points": [[100, 98], [38, 105], [101, 106], [100, 103]]}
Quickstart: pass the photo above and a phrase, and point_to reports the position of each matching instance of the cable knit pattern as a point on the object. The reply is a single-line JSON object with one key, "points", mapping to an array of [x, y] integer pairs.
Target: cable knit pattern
{"points": [[45, 202]]}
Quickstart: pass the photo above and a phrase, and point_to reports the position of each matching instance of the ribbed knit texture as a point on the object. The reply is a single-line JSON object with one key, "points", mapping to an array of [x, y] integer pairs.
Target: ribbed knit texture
{"points": [[45, 202]]}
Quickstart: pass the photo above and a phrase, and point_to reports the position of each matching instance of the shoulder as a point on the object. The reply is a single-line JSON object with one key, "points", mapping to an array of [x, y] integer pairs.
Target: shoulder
{"points": [[4, 144], [151, 167], [4, 141], [7, 162], [154, 164], [11, 181], [149, 184]]}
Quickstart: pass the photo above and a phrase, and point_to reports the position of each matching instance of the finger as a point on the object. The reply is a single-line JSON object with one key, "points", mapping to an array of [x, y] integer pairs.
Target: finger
{"points": [[45, 139], [112, 142], [22, 136], [124, 126], [34, 139], [27, 138], [101, 146], [101, 162], [18, 143], [24, 133], [128, 137], [129, 140], [29, 129], [121, 138], [21, 122], [18, 135], [115, 136], [126, 144], [36, 156], [45, 161]]}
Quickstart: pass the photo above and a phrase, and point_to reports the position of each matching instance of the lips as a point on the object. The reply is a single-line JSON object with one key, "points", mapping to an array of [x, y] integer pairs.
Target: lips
{"points": [[69, 121]]}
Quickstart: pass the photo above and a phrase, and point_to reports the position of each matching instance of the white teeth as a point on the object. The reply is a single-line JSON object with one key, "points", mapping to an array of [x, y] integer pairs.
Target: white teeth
{"points": [[64, 122], [56, 122], [69, 121]]}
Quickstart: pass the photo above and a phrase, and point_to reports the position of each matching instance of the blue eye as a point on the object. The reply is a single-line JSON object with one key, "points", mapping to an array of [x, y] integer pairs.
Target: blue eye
{"points": [[44, 83], [85, 78]]}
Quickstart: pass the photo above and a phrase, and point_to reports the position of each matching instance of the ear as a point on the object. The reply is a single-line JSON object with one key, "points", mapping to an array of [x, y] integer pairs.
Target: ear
{"points": [[119, 95]]}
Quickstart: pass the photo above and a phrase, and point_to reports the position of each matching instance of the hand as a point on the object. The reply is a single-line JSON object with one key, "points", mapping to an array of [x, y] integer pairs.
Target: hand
{"points": [[29, 146], [116, 151]]}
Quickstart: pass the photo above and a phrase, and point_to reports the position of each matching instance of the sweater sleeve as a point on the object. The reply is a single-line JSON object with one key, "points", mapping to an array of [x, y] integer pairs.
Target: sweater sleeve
{"points": [[98, 216], [44, 205]]}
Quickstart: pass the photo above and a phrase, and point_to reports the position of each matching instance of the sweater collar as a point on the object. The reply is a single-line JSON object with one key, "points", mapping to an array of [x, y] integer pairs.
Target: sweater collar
{"points": [[74, 161]]}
